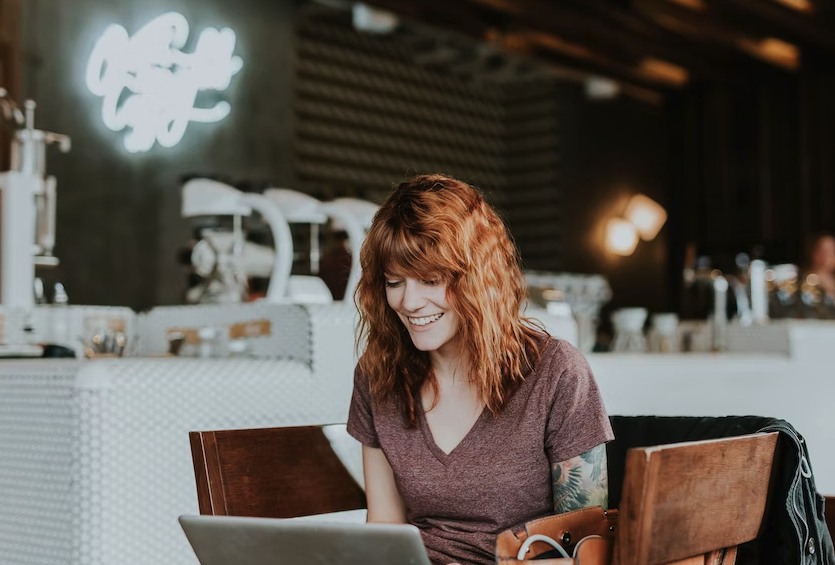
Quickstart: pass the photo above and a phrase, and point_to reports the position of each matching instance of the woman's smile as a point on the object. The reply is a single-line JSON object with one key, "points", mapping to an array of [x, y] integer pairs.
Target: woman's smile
{"points": [[425, 322]]}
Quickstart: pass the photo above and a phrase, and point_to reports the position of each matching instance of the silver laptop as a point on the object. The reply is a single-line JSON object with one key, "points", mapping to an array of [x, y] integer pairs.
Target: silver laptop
{"points": [[227, 540]]}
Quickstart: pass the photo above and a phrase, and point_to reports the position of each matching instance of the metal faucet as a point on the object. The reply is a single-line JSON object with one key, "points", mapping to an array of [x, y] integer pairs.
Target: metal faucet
{"points": [[29, 157], [745, 312], [720, 313], [759, 291]]}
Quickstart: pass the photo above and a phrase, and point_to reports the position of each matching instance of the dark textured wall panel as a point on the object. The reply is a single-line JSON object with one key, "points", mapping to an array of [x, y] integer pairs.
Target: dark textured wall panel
{"points": [[368, 116], [532, 204]]}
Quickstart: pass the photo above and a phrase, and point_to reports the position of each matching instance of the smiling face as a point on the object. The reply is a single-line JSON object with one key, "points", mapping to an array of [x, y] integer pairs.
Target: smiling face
{"points": [[423, 308]]}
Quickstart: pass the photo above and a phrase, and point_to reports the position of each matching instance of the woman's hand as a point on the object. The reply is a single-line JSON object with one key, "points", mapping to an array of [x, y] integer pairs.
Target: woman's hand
{"points": [[384, 502]]}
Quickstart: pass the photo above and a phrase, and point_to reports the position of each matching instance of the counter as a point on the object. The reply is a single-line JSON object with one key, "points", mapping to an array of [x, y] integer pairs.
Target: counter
{"points": [[796, 384], [95, 461]]}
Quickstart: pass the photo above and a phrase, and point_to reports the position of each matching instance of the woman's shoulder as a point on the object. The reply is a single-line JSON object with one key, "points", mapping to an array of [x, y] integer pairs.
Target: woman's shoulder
{"points": [[557, 352], [562, 365]]}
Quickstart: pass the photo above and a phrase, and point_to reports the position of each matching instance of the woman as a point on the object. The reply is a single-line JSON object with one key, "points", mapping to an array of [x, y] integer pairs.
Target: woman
{"points": [[472, 420]]}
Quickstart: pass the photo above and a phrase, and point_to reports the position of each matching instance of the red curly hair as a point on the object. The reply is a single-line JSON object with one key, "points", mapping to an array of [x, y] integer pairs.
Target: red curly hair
{"points": [[436, 227]]}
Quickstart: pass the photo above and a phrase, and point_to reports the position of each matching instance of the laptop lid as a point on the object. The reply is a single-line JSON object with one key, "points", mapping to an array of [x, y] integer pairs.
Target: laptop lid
{"points": [[228, 540]]}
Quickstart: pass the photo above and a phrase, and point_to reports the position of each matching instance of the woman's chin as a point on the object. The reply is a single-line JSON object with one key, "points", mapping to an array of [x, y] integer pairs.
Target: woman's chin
{"points": [[424, 345]]}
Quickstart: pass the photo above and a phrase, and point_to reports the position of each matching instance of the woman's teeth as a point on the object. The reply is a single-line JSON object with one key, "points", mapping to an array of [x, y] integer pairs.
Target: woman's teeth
{"points": [[424, 321]]}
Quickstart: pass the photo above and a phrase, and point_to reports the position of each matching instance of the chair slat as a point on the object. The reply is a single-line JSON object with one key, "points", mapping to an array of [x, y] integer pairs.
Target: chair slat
{"points": [[727, 482], [271, 473]]}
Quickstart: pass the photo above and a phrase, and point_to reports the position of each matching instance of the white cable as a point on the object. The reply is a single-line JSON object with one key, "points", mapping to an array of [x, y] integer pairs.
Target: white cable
{"points": [[539, 537]]}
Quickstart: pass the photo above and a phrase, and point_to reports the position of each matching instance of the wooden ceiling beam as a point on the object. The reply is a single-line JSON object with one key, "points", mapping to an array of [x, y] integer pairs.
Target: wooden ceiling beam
{"points": [[547, 47], [778, 21], [559, 56], [804, 6], [706, 31], [562, 58], [711, 55], [10, 23], [613, 38]]}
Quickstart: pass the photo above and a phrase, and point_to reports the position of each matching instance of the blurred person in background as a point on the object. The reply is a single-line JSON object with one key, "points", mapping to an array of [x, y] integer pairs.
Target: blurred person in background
{"points": [[822, 262]]}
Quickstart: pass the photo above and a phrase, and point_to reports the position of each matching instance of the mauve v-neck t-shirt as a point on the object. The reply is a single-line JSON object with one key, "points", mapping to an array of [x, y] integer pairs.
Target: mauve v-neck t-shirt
{"points": [[499, 475]]}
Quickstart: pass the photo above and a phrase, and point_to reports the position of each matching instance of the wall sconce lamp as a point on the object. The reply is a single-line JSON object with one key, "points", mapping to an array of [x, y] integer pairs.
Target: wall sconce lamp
{"points": [[646, 215], [621, 237], [643, 219]]}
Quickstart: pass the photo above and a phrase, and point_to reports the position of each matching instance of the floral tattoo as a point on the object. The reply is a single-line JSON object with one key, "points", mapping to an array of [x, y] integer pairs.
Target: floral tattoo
{"points": [[581, 481]]}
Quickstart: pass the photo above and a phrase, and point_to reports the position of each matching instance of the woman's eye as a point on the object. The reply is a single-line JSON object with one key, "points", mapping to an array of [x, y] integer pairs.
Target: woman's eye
{"points": [[393, 284], [432, 282]]}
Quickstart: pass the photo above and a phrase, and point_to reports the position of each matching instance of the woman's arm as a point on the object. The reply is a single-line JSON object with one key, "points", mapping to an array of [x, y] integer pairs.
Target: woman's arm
{"points": [[384, 502], [581, 481]]}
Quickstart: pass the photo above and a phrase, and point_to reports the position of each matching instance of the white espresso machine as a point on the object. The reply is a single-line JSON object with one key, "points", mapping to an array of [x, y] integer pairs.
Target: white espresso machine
{"points": [[225, 260], [223, 257]]}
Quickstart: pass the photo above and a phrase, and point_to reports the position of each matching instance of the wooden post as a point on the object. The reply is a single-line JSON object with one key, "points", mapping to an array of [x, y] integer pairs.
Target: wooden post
{"points": [[10, 24]]}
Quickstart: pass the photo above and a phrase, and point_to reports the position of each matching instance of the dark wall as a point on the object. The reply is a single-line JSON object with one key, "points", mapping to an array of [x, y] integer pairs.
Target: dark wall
{"points": [[374, 109], [119, 222], [751, 159], [611, 150]]}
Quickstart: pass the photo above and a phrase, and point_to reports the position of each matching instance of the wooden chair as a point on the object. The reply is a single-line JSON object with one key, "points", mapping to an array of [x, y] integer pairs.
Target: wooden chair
{"points": [[829, 513], [686, 503], [271, 473], [694, 503]]}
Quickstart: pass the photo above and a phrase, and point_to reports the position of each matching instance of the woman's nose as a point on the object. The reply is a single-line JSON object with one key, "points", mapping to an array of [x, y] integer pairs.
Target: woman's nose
{"points": [[413, 297]]}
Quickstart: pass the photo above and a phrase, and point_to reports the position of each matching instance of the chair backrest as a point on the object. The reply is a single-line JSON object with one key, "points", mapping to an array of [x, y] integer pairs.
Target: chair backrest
{"points": [[271, 473], [683, 501]]}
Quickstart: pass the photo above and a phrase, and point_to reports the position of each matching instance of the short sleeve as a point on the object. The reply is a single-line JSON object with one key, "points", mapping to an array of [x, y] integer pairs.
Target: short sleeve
{"points": [[360, 415], [577, 420]]}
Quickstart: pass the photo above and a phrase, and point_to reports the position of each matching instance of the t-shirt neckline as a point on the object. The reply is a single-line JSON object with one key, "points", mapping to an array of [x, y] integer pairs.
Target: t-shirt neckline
{"points": [[442, 456]]}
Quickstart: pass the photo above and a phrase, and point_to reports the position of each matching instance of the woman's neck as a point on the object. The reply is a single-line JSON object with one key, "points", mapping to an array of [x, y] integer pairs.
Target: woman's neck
{"points": [[447, 368], [452, 376], [447, 362]]}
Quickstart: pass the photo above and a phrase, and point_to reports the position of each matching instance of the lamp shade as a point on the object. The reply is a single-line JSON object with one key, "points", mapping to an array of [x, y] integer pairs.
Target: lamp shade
{"points": [[646, 215], [621, 237]]}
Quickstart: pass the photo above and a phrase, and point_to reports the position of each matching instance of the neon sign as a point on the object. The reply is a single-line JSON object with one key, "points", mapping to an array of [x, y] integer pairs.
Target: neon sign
{"points": [[149, 85]]}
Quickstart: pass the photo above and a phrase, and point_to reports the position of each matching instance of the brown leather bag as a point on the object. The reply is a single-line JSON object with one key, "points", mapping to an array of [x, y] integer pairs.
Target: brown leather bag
{"points": [[590, 531]]}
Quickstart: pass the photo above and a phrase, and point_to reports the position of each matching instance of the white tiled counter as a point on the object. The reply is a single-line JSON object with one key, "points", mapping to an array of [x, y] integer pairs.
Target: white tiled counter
{"points": [[95, 462], [796, 384]]}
